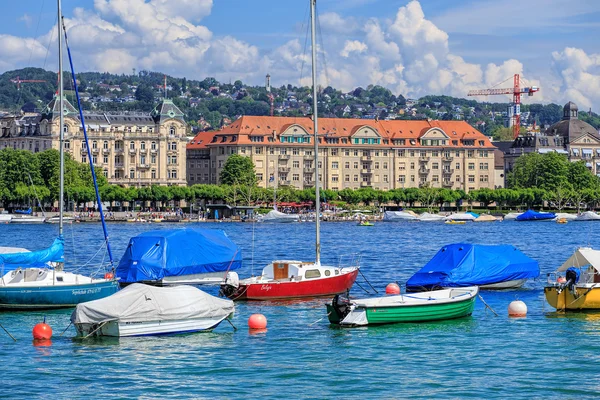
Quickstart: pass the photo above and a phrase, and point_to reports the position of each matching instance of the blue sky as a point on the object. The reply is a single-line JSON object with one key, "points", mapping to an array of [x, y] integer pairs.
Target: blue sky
{"points": [[416, 47]]}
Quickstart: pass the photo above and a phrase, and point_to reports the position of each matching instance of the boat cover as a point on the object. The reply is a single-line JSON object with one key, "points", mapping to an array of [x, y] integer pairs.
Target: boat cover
{"points": [[144, 303], [584, 256], [152, 255], [462, 217], [464, 264], [567, 216], [485, 218], [24, 258], [588, 216], [531, 215], [512, 216], [275, 215], [399, 216], [431, 217]]}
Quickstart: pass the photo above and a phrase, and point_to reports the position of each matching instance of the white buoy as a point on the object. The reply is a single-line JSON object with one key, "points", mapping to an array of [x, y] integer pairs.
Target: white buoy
{"points": [[517, 309]]}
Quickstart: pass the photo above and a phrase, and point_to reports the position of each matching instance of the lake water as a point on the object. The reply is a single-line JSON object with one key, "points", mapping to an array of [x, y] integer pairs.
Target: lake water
{"points": [[301, 356]]}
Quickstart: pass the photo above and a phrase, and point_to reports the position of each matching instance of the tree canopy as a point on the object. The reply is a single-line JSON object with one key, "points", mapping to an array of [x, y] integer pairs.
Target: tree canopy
{"points": [[238, 170]]}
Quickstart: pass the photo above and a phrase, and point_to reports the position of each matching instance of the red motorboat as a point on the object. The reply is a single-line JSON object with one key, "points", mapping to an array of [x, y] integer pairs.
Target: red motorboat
{"points": [[289, 280]]}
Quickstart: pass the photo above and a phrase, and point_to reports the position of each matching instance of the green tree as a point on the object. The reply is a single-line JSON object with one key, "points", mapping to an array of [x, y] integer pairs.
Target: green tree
{"points": [[238, 170]]}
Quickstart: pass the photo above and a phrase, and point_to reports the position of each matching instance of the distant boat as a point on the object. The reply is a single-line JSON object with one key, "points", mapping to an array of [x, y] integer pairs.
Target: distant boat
{"points": [[391, 216], [26, 212], [5, 218], [465, 264], [485, 218], [566, 216], [453, 222], [579, 287], [56, 220], [142, 310], [531, 215], [27, 219], [179, 256], [512, 216], [415, 307], [428, 217], [462, 217], [278, 216], [588, 216], [365, 223]]}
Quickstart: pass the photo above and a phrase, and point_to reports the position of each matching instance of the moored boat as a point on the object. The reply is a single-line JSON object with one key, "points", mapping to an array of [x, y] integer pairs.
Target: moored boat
{"points": [[391, 216], [27, 219], [465, 264], [485, 218], [278, 216], [453, 222], [428, 217], [579, 287], [415, 307], [143, 310], [588, 216], [531, 215], [512, 216], [467, 216], [179, 256], [366, 223]]}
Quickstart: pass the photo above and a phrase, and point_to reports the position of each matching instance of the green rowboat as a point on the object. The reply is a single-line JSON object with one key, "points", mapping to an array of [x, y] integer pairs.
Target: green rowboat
{"points": [[414, 307]]}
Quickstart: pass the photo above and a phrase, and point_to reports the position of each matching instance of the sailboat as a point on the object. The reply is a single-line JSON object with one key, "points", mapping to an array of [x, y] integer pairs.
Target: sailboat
{"points": [[288, 279], [36, 280]]}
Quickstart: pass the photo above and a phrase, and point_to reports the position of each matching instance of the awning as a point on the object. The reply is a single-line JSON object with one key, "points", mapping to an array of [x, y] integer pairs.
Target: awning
{"points": [[576, 151], [586, 151], [588, 164], [582, 257]]}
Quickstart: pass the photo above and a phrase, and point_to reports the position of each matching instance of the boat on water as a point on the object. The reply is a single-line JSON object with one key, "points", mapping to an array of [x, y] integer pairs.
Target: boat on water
{"points": [[588, 216], [37, 280], [27, 219], [415, 307], [485, 218], [466, 264], [391, 216], [566, 216], [143, 310], [179, 256], [576, 283], [428, 217], [466, 216], [278, 216], [512, 216], [531, 215], [454, 222], [365, 223], [5, 218], [561, 220], [56, 220], [284, 279]]}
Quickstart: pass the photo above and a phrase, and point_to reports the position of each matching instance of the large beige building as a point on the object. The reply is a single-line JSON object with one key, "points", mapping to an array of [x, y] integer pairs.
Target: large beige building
{"points": [[132, 149], [353, 153]]}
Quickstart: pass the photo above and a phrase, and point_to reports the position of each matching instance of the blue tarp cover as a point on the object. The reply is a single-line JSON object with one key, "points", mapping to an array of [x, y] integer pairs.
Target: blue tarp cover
{"points": [[37, 258], [154, 255], [531, 215], [463, 264]]}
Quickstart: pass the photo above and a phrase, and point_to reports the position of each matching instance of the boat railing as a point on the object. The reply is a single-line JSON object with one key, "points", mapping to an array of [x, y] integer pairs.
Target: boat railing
{"points": [[349, 260]]}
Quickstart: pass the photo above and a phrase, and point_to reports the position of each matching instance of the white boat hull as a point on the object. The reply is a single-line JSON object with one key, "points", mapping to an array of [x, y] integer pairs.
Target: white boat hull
{"points": [[209, 278], [147, 328], [27, 220], [514, 284]]}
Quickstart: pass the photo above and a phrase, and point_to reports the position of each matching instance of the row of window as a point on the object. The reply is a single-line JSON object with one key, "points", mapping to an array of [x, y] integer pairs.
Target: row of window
{"points": [[347, 152]]}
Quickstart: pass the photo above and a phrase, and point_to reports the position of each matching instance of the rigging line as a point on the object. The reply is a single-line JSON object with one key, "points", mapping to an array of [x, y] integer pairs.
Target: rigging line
{"points": [[306, 36], [323, 54], [366, 280], [252, 264], [36, 31], [49, 43]]}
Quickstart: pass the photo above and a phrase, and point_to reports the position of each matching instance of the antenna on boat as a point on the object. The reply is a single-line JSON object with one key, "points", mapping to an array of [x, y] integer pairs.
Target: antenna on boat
{"points": [[61, 196], [313, 4]]}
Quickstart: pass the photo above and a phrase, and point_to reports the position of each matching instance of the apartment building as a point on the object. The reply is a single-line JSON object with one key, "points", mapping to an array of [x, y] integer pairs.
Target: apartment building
{"points": [[132, 149], [353, 153]]}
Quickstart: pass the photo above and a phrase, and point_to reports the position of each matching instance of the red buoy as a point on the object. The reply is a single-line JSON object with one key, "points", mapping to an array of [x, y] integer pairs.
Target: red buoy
{"points": [[392, 288], [42, 331], [257, 321], [109, 275]]}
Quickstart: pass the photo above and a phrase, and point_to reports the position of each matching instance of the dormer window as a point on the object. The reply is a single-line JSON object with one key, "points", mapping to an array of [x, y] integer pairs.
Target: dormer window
{"points": [[172, 131]]}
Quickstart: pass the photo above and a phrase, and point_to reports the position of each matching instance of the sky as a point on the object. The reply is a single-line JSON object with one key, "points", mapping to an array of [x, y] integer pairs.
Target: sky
{"points": [[414, 48]]}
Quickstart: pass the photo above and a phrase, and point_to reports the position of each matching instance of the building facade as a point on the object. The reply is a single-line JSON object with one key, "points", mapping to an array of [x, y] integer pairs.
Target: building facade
{"points": [[132, 149], [570, 136], [353, 153]]}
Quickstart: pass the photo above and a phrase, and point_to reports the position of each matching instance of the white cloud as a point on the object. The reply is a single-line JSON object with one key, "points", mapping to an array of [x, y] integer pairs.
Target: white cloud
{"points": [[26, 19], [580, 76], [353, 46]]}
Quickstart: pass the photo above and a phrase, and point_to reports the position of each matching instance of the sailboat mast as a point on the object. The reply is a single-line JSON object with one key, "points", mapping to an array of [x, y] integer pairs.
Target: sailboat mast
{"points": [[313, 34], [61, 122]]}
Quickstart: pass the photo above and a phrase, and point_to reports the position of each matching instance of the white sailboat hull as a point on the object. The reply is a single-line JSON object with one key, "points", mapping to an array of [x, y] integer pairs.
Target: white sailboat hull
{"points": [[514, 284], [148, 328], [27, 220]]}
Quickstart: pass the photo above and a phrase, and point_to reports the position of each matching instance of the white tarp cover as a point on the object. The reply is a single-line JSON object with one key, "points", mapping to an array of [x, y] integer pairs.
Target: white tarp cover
{"points": [[431, 217], [582, 257], [485, 218], [399, 216], [460, 217], [567, 216], [274, 215], [512, 216], [141, 303], [588, 216]]}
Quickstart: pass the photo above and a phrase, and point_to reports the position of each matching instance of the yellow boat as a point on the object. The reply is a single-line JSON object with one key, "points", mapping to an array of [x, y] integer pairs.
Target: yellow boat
{"points": [[579, 288], [561, 221], [452, 222], [366, 223]]}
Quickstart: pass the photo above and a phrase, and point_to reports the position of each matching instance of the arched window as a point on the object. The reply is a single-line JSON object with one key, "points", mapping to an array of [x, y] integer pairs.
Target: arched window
{"points": [[132, 145], [94, 145], [65, 128], [172, 131], [105, 145], [153, 145], [143, 145]]}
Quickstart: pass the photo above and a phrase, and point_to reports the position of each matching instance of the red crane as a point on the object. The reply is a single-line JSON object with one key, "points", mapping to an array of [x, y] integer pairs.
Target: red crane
{"points": [[18, 81], [516, 91]]}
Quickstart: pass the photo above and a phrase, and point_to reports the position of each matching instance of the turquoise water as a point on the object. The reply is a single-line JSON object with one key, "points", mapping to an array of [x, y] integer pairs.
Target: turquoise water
{"points": [[300, 355]]}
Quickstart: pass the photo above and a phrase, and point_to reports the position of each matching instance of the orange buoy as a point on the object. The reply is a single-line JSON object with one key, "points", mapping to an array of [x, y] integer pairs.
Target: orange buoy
{"points": [[109, 275], [517, 309], [42, 331], [392, 288], [257, 321]]}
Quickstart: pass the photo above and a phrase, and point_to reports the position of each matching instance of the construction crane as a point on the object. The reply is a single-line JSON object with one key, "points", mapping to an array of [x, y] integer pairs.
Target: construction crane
{"points": [[18, 81], [516, 91]]}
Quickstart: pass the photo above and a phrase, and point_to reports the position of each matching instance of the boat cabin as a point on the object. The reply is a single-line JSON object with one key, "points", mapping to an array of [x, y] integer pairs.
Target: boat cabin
{"points": [[297, 270], [587, 260]]}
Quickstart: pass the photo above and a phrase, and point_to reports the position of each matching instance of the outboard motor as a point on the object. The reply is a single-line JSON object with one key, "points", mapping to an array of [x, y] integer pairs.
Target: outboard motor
{"points": [[230, 284], [572, 276], [341, 305]]}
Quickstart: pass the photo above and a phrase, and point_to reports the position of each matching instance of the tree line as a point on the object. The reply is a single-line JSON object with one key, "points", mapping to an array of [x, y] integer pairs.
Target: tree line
{"points": [[537, 180]]}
